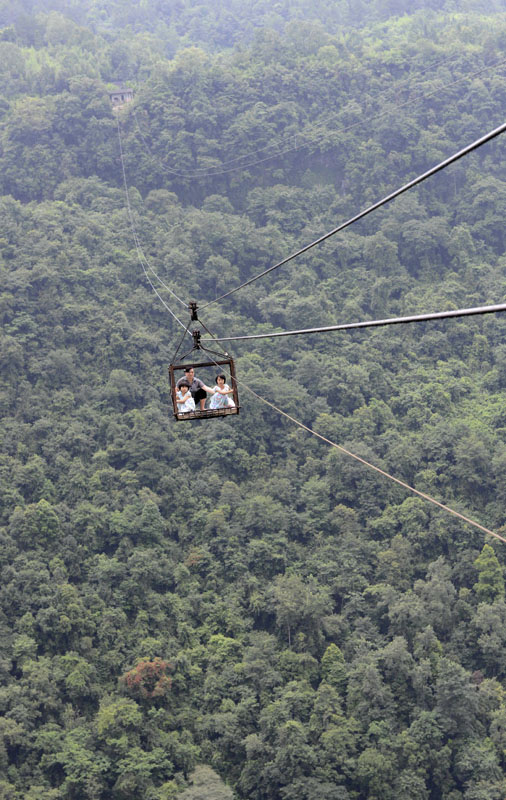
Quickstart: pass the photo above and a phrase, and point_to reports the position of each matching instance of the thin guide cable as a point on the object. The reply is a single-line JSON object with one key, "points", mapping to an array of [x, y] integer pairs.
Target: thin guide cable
{"points": [[223, 168], [368, 464], [140, 253]]}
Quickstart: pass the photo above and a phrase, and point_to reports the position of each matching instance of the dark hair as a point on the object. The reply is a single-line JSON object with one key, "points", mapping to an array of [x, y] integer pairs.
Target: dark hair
{"points": [[221, 375], [184, 382], [188, 369]]}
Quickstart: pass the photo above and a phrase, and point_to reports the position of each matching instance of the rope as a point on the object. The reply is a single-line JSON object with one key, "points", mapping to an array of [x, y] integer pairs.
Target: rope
{"points": [[385, 474], [198, 173], [180, 342], [280, 140], [165, 286], [442, 165], [138, 247], [368, 464], [461, 312]]}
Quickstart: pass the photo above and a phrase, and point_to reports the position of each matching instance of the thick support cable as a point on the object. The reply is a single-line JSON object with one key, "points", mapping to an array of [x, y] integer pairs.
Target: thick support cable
{"points": [[376, 323], [442, 165]]}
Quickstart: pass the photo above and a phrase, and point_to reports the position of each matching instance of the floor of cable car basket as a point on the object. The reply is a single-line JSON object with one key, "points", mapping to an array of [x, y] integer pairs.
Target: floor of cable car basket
{"points": [[208, 412]]}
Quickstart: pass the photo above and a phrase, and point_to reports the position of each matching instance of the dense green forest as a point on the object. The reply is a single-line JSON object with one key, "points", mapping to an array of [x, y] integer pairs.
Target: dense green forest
{"points": [[231, 609]]}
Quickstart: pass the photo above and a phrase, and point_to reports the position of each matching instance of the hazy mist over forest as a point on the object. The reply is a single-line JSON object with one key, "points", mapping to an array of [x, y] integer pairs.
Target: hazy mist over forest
{"points": [[230, 608]]}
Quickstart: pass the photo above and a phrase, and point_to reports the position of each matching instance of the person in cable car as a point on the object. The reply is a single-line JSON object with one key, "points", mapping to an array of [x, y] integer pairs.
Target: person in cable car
{"points": [[197, 387], [222, 391], [184, 399]]}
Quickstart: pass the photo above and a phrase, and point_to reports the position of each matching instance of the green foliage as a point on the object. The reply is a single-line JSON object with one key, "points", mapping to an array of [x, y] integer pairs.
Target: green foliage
{"points": [[233, 609], [205, 782], [490, 576], [333, 667]]}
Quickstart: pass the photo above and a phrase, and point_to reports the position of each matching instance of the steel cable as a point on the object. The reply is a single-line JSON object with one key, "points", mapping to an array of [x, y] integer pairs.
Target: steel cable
{"points": [[368, 464], [376, 323], [442, 165], [140, 254]]}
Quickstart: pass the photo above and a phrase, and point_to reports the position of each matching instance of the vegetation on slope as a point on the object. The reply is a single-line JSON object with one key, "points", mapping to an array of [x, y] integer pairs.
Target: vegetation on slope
{"points": [[234, 596]]}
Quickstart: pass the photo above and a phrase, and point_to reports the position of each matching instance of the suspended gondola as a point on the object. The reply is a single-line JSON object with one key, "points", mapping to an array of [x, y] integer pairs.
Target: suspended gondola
{"points": [[191, 397], [224, 360]]}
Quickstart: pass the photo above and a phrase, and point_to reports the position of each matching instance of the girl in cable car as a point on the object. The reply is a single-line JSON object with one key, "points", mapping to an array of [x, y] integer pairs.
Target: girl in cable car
{"points": [[184, 399], [222, 391]]}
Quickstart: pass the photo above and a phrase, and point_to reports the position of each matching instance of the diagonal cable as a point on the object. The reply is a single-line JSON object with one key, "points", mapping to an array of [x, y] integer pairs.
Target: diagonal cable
{"points": [[375, 323], [385, 474], [223, 169], [368, 464], [442, 165], [140, 254]]}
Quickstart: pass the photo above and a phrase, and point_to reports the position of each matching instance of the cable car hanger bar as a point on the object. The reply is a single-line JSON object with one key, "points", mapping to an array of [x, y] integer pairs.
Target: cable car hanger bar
{"points": [[197, 334], [424, 176], [376, 323]]}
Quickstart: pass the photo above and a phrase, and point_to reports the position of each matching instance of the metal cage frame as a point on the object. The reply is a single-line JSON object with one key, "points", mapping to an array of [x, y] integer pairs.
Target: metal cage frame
{"points": [[207, 412]]}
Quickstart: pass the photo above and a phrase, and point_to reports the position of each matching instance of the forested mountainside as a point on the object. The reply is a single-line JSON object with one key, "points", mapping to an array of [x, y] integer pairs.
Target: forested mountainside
{"points": [[231, 608]]}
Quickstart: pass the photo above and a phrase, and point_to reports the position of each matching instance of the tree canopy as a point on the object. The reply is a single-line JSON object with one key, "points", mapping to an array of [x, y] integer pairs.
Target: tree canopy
{"points": [[229, 608]]}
